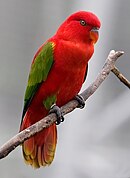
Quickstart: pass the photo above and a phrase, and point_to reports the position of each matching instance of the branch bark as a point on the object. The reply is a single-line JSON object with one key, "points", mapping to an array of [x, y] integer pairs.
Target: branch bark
{"points": [[121, 77], [69, 107]]}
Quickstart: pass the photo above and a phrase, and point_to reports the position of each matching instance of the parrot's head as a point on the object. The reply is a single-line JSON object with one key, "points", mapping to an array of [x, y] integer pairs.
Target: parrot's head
{"points": [[81, 26]]}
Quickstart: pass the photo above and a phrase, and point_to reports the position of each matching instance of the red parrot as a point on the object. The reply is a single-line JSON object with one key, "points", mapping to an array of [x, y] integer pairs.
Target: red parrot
{"points": [[57, 73]]}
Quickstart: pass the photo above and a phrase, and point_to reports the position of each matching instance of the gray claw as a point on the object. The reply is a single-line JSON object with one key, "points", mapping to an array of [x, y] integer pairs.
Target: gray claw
{"points": [[55, 109], [81, 101]]}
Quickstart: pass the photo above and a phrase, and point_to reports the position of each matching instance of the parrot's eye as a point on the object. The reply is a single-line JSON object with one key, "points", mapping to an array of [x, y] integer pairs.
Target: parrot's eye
{"points": [[83, 23]]}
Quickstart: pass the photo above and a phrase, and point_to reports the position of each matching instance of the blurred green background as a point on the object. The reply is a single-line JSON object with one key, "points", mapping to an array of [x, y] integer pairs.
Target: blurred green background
{"points": [[94, 142]]}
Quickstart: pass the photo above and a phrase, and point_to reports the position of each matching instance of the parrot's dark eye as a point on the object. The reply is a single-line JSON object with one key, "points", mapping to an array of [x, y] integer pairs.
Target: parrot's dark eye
{"points": [[83, 23]]}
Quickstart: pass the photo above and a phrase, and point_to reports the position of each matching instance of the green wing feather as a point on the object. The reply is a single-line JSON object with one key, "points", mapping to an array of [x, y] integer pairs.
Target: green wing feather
{"points": [[39, 71]]}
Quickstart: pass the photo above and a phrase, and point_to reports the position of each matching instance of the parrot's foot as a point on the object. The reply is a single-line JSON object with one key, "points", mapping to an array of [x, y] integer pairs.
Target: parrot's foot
{"points": [[80, 100], [55, 109]]}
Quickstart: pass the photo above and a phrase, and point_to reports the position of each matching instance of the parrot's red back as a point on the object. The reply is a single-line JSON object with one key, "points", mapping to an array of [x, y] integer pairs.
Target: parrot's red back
{"points": [[57, 73]]}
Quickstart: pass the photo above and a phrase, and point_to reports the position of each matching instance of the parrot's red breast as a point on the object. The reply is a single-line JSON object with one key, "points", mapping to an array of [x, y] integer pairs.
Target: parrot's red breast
{"points": [[57, 74]]}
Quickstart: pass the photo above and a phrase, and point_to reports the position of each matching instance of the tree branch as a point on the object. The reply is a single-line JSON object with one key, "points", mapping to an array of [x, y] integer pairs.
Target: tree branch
{"points": [[69, 107], [121, 77]]}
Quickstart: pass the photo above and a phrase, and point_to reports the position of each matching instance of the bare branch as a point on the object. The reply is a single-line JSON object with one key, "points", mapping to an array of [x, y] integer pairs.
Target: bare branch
{"points": [[69, 107], [121, 77]]}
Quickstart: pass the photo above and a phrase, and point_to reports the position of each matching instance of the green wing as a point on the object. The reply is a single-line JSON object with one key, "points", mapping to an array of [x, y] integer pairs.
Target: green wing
{"points": [[39, 72]]}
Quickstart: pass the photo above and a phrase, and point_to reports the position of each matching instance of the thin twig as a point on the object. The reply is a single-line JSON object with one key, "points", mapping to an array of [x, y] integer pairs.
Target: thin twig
{"points": [[121, 77], [70, 106]]}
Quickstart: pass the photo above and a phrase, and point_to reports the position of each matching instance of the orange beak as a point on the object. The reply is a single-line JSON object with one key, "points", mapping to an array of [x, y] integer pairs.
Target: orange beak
{"points": [[94, 34]]}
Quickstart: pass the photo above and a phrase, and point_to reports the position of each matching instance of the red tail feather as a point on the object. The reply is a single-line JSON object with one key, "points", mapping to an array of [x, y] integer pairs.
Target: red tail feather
{"points": [[39, 150]]}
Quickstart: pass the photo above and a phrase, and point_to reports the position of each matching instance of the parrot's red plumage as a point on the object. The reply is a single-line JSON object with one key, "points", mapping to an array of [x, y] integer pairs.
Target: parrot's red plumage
{"points": [[57, 74]]}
